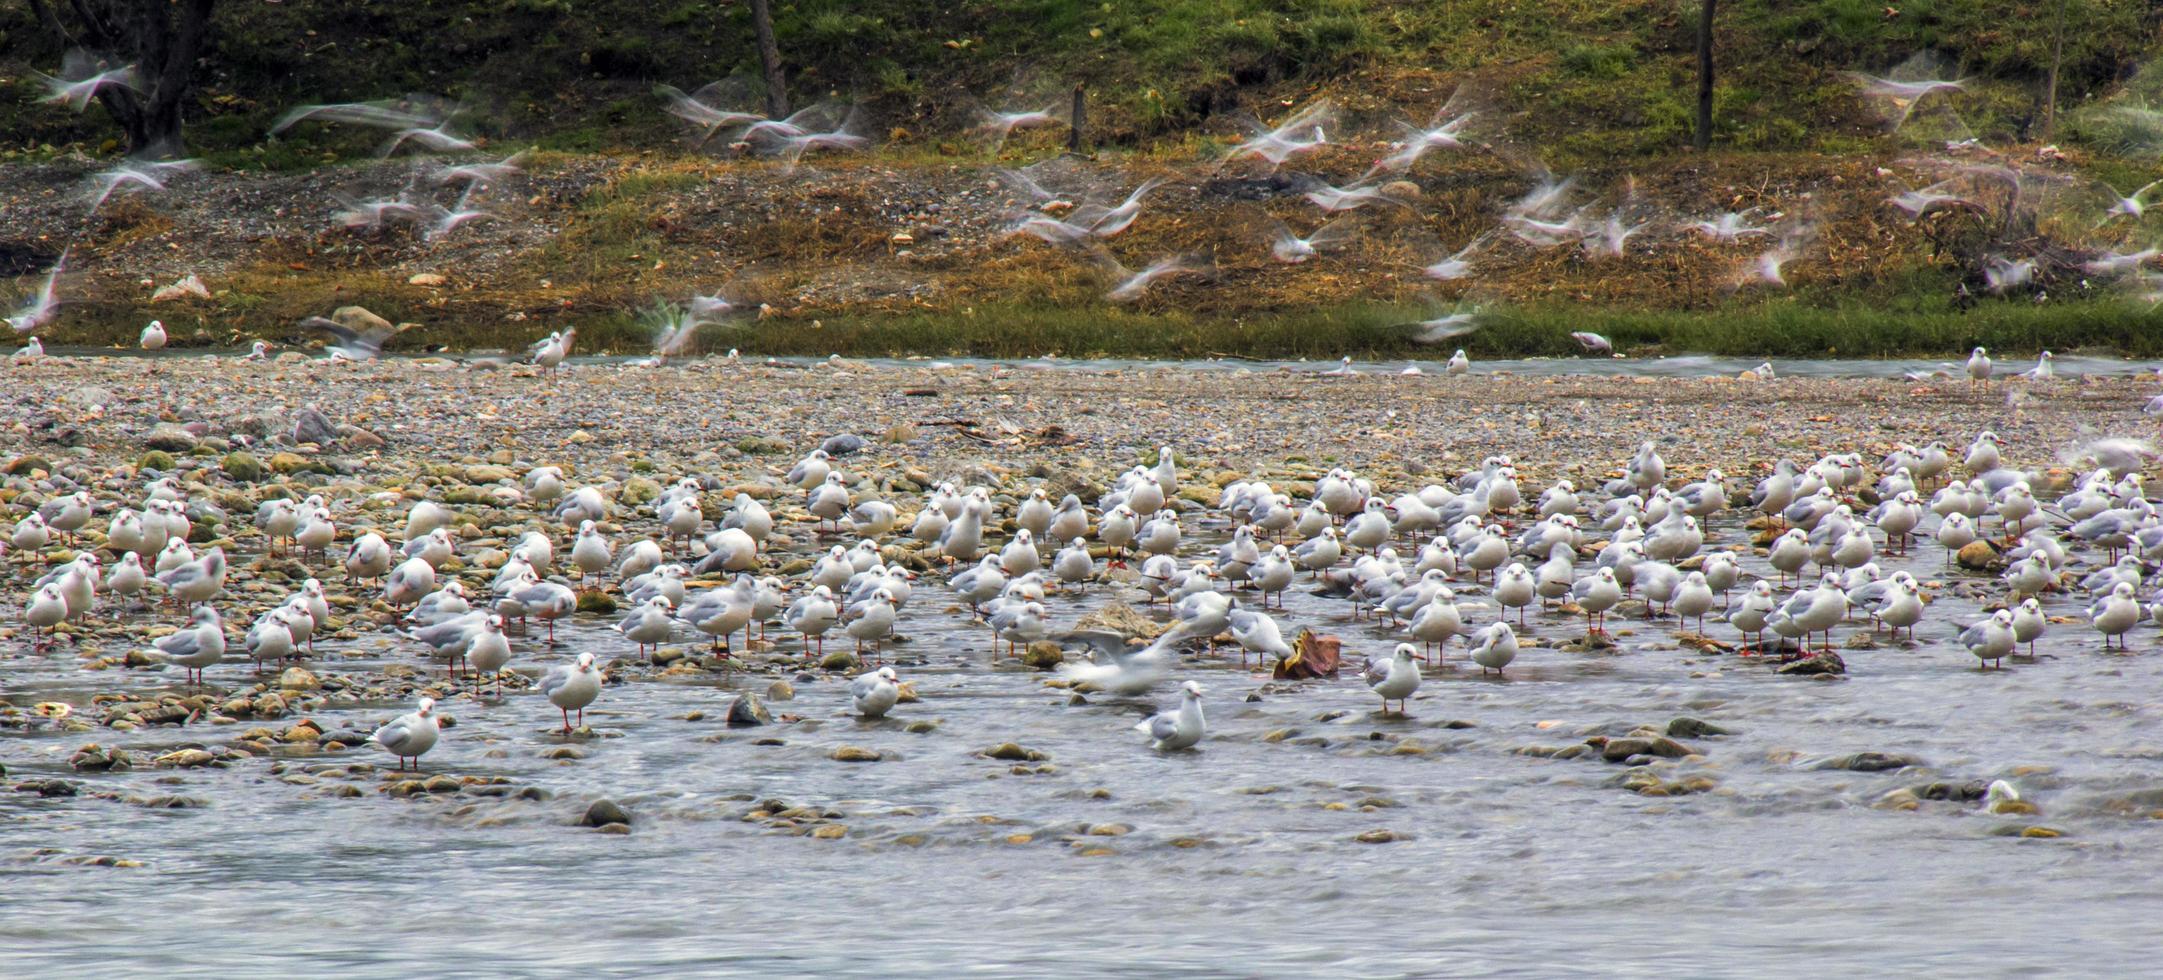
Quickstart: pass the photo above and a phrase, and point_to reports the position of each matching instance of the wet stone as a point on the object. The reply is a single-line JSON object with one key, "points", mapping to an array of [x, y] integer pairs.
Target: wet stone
{"points": [[603, 812]]}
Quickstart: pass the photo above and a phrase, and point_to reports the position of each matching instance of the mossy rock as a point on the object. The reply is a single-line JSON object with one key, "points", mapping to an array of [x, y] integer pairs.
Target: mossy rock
{"points": [[761, 445], [596, 602], [156, 459], [638, 490], [27, 464], [290, 463]]}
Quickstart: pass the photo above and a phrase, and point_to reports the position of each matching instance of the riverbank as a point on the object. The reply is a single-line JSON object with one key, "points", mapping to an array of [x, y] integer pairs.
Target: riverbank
{"points": [[881, 258]]}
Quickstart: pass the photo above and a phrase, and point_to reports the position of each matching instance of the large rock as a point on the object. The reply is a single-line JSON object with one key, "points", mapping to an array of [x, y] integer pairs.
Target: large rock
{"points": [[1619, 749], [311, 425], [1869, 762], [1042, 655], [604, 812], [1822, 663], [170, 438], [1013, 752], [1977, 556], [242, 466], [747, 709], [845, 444], [185, 759], [1694, 728], [1123, 619]]}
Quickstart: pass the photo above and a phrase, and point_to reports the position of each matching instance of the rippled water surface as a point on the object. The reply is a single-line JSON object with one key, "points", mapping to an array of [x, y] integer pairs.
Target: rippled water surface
{"points": [[1235, 862], [1240, 858]]}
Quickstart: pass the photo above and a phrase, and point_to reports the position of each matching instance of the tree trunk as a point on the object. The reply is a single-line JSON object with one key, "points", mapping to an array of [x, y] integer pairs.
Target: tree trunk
{"points": [[1703, 138], [1078, 121], [777, 90], [2050, 90], [164, 55]]}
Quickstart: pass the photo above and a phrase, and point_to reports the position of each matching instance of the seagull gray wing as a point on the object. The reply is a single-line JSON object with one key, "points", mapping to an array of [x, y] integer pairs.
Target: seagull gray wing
{"points": [[395, 736]]}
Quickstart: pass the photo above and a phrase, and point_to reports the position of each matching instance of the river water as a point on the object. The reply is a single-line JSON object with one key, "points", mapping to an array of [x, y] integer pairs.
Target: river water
{"points": [[1679, 366], [1239, 858], [1235, 862]]}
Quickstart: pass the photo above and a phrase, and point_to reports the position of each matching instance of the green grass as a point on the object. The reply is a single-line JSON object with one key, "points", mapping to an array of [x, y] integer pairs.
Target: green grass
{"points": [[577, 74]]}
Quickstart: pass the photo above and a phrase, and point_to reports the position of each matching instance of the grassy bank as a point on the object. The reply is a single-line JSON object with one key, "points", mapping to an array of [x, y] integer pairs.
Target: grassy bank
{"points": [[1367, 331], [1587, 79]]}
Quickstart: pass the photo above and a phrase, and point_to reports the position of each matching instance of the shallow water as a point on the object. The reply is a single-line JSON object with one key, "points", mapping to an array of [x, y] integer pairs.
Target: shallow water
{"points": [[1679, 366], [1511, 864]]}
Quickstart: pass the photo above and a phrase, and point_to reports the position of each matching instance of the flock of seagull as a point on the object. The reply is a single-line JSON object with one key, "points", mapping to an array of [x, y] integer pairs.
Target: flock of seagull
{"points": [[448, 193], [1424, 563]]}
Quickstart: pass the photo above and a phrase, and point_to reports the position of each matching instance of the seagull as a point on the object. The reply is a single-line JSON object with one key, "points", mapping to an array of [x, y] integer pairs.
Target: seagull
{"points": [[1299, 133], [448, 220], [352, 345], [1992, 639], [1416, 143], [1334, 199], [488, 651], [2115, 613], [1116, 670], [1979, 365], [409, 736], [197, 581], [1394, 679], [1000, 125], [2001, 274], [1293, 250], [76, 93], [550, 351], [437, 138], [136, 177], [572, 687], [390, 114], [201, 644], [2129, 205], [872, 695], [709, 120], [46, 609], [1448, 326], [1916, 203], [1730, 227], [1259, 634], [1131, 285], [41, 306], [153, 336], [1494, 647], [1181, 729], [483, 174], [1596, 594], [649, 624], [1593, 343], [1105, 222], [1459, 263]]}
